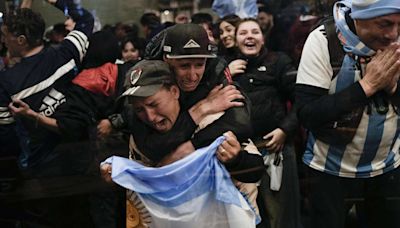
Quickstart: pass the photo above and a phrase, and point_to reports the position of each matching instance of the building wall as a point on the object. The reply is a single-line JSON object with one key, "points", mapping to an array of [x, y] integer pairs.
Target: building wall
{"points": [[109, 11]]}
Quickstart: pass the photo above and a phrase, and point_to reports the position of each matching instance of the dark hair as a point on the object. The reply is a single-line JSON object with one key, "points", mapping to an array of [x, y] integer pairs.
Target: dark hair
{"points": [[265, 9], [103, 48], [28, 23], [137, 42], [246, 20], [200, 18], [150, 19], [232, 19]]}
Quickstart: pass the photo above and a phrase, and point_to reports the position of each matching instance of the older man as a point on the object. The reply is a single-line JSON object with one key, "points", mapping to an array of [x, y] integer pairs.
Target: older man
{"points": [[34, 80], [353, 144]]}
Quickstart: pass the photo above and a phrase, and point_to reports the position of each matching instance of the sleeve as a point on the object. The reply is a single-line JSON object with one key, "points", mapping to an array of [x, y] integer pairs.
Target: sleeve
{"points": [[9, 145], [395, 98], [78, 112], [5, 114], [287, 81], [76, 42], [83, 18], [236, 119], [315, 106], [247, 167], [315, 68]]}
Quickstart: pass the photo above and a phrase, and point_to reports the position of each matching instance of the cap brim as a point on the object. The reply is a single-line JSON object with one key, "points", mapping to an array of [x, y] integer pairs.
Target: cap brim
{"points": [[142, 91], [190, 56], [375, 12]]}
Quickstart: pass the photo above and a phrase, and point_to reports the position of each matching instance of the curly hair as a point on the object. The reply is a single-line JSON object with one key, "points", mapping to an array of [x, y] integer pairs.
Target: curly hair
{"points": [[28, 23]]}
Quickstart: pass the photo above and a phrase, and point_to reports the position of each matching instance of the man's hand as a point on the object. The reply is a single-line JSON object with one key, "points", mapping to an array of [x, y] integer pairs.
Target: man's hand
{"points": [[276, 141], [383, 71], [219, 99], [104, 128], [105, 171], [229, 148], [182, 151], [20, 108], [237, 66]]}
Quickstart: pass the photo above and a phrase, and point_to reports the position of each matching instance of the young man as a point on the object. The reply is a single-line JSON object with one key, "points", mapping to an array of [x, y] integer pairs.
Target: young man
{"points": [[353, 143], [154, 98], [199, 76], [33, 80]]}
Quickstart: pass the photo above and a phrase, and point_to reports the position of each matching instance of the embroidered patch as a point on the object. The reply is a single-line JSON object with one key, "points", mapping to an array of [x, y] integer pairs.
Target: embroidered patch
{"points": [[191, 44], [167, 48], [135, 75]]}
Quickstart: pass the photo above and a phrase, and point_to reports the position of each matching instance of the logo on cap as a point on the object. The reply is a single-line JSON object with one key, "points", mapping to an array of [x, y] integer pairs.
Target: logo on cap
{"points": [[135, 75], [191, 44]]}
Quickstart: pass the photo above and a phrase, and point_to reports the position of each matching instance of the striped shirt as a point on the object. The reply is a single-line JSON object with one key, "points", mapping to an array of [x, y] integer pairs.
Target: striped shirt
{"points": [[375, 147], [38, 80]]}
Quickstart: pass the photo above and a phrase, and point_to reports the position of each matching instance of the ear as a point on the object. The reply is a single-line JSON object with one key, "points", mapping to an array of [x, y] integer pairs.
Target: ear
{"points": [[21, 39], [175, 91]]}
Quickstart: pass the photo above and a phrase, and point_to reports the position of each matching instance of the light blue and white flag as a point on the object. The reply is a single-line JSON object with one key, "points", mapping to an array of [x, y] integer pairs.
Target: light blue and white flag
{"points": [[242, 8], [195, 191]]}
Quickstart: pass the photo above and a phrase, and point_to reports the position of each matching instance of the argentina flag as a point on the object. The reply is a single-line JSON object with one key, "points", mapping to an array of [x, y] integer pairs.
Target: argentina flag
{"points": [[196, 191]]}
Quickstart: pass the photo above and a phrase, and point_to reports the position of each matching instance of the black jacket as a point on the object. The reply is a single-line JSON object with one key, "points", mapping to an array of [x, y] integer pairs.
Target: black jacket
{"points": [[156, 145], [269, 82]]}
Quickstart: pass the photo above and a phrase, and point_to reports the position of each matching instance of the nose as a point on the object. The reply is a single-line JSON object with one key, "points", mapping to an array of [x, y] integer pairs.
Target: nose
{"points": [[394, 33], [224, 34], [150, 115], [193, 74]]}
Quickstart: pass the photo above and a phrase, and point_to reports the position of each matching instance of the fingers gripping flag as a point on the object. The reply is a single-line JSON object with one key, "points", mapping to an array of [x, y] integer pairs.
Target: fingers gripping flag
{"points": [[195, 191]]}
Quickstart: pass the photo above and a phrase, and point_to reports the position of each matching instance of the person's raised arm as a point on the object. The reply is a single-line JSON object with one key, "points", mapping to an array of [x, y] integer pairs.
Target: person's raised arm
{"points": [[84, 19]]}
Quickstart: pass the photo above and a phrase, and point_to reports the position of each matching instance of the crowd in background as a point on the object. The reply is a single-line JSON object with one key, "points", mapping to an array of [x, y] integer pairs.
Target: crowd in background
{"points": [[92, 81]]}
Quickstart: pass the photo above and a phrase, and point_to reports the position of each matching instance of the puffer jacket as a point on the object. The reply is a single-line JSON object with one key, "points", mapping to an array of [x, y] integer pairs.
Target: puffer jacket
{"points": [[269, 82]]}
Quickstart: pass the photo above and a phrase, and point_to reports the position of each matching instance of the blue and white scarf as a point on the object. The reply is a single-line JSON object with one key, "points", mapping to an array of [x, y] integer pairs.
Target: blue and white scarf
{"points": [[351, 42]]}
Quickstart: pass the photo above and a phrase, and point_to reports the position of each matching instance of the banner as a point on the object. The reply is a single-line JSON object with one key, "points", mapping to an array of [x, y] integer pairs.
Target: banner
{"points": [[242, 8], [195, 191]]}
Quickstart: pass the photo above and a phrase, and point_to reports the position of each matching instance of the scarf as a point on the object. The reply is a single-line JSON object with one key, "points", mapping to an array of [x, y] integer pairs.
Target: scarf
{"points": [[350, 41], [357, 54]]}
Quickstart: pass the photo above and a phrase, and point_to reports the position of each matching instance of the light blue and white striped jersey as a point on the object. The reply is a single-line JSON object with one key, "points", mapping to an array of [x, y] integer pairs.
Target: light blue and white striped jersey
{"points": [[375, 147]]}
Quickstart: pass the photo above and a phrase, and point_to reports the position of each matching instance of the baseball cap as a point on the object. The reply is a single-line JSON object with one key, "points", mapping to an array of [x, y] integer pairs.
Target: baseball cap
{"points": [[187, 41], [367, 9], [146, 77]]}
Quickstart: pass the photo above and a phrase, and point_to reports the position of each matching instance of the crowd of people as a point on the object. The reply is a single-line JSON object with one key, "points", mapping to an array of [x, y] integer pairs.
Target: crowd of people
{"points": [[308, 112]]}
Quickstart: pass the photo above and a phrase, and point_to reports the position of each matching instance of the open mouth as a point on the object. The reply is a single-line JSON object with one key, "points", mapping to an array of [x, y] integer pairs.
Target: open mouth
{"points": [[250, 44], [190, 84], [160, 123]]}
